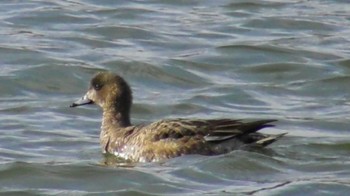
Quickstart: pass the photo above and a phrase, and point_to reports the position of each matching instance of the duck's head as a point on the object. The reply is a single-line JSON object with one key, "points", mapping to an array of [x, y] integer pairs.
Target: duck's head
{"points": [[110, 91]]}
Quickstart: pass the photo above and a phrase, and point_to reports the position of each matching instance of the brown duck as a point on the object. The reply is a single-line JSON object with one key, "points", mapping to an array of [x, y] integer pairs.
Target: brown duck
{"points": [[165, 138]]}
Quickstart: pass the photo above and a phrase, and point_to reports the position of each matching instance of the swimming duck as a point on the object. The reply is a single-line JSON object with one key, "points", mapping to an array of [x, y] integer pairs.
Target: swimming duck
{"points": [[164, 139]]}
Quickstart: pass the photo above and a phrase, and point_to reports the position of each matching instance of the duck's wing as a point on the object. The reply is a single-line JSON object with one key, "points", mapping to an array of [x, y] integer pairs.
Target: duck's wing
{"points": [[227, 129], [216, 130]]}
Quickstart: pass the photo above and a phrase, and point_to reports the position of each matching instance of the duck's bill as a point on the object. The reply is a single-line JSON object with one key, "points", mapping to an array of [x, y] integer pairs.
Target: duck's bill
{"points": [[82, 101]]}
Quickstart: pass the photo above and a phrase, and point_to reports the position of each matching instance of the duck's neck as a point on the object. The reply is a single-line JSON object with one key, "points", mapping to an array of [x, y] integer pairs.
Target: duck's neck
{"points": [[114, 119], [112, 123]]}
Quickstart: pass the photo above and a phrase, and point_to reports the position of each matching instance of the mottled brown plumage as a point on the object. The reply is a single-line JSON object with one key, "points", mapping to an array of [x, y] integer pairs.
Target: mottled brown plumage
{"points": [[165, 138]]}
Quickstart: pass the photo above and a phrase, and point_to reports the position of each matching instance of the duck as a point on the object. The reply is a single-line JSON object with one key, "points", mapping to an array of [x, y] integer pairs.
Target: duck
{"points": [[167, 138]]}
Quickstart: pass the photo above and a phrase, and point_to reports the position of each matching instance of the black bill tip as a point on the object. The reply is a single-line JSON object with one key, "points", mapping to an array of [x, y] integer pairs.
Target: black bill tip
{"points": [[73, 105]]}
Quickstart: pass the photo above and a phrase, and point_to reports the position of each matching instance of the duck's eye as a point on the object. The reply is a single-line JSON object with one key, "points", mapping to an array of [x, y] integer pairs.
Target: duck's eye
{"points": [[97, 86]]}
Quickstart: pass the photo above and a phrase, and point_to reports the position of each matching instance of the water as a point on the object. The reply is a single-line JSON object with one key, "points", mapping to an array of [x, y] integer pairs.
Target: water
{"points": [[288, 60]]}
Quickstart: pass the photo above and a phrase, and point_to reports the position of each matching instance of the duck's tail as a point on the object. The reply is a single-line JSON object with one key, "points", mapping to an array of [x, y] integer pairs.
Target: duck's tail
{"points": [[268, 139]]}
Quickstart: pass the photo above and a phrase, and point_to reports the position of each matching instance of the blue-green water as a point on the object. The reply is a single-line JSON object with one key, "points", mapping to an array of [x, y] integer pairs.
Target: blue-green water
{"points": [[288, 60]]}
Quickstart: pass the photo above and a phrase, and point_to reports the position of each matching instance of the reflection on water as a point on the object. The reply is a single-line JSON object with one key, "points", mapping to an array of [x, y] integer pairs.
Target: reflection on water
{"points": [[110, 160], [193, 59]]}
